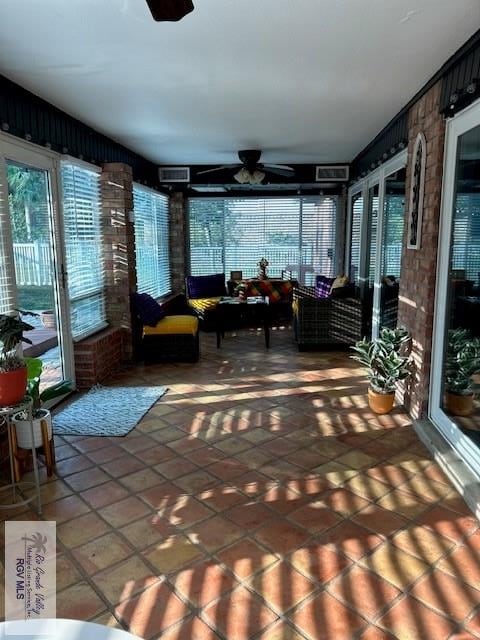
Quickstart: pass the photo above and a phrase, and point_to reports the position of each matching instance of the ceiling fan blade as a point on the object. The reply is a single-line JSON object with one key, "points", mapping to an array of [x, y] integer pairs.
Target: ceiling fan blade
{"points": [[278, 166], [280, 171], [221, 168]]}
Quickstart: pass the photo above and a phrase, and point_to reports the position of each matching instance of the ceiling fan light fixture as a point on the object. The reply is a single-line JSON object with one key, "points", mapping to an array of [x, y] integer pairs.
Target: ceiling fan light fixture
{"points": [[244, 176], [169, 10]]}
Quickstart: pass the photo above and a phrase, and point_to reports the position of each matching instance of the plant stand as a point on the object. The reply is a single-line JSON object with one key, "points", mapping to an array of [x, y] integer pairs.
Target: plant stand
{"points": [[20, 455], [15, 486]]}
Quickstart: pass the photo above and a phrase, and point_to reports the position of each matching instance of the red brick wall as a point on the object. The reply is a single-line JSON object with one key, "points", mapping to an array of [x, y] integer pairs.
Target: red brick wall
{"points": [[178, 234], [98, 357], [417, 283]]}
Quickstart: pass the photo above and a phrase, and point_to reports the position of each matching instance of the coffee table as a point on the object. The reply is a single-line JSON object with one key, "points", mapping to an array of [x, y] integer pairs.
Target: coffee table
{"points": [[254, 311]]}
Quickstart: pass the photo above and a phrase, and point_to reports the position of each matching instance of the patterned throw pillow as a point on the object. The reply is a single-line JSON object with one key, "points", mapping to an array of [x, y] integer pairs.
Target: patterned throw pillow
{"points": [[147, 309], [206, 286], [323, 286]]}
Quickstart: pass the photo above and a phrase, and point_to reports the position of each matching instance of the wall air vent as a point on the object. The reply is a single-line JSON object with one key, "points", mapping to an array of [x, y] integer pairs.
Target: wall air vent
{"points": [[331, 173], [174, 174]]}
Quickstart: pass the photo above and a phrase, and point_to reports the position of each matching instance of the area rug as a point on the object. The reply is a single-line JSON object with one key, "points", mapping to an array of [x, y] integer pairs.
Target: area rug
{"points": [[106, 411]]}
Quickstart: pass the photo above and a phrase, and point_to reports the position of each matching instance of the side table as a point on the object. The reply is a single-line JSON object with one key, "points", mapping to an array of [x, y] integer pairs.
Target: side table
{"points": [[7, 413]]}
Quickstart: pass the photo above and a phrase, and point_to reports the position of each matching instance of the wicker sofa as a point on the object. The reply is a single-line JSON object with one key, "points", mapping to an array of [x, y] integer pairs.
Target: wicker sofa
{"points": [[339, 320]]}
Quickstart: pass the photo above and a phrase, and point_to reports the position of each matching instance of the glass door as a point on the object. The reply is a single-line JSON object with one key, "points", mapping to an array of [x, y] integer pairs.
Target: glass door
{"points": [[34, 240], [455, 386]]}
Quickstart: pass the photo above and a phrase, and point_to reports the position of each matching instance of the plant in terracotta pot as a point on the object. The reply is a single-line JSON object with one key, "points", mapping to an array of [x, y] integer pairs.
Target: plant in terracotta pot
{"points": [[462, 363], [386, 364], [22, 426], [13, 372]]}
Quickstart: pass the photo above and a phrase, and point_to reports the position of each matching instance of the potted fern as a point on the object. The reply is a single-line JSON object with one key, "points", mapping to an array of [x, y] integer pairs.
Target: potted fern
{"points": [[13, 371], [462, 363], [386, 364], [22, 426]]}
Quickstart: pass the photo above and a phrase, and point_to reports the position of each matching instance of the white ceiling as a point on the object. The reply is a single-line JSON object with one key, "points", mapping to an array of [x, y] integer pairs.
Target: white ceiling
{"points": [[304, 80]]}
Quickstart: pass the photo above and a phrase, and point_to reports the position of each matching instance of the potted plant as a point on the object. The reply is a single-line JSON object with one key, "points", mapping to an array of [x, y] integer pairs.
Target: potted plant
{"points": [[13, 372], [22, 426], [386, 365], [462, 363], [49, 319]]}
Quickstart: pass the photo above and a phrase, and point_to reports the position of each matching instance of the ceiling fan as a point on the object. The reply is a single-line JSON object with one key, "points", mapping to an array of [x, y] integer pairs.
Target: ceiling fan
{"points": [[251, 171], [169, 10]]}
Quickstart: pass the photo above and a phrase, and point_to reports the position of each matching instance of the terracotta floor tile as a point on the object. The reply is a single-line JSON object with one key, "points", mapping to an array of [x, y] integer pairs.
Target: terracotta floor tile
{"points": [[351, 539], [79, 602], [314, 517], [65, 509], [367, 487], [140, 480], [404, 504], [374, 633], [281, 631], [411, 620], [245, 557], [80, 530], [73, 465], [90, 444], [281, 536], [239, 615], [447, 595], [172, 553], [343, 501], [190, 629], [305, 458], [86, 479], [335, 473], [463, 564], [318, 561], [147, 531], [222, 498], [381, 521], [101, 553], [152, 611], [249, 515], [356, 460], [124, 511], [187, 511], [449, 524], [325, 618], [67, 573], [156, 454], [282, 499], [123, 466], [105, 454], [175, 467], [423, 543], [396, 566], [389, 474], [104, 494], [196, 481], [202, 583], [125, 580], [282, 586], [363, 591], [214, 533]]}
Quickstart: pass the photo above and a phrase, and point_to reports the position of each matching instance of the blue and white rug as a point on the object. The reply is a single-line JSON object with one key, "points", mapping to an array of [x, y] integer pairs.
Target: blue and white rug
{"points": [[106, 411]]}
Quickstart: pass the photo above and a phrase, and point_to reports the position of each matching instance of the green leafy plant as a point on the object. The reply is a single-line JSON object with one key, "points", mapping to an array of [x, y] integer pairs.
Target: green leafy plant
{"points": [[384, 360], [11, 335], [462, 362], [34, 373]]}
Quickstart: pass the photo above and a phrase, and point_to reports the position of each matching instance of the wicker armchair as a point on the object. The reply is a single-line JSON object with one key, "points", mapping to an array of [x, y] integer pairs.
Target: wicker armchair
{"points": [[338, 320]]}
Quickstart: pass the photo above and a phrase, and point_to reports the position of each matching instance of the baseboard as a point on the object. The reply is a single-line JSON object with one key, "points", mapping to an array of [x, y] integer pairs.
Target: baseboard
{"points": [[459, 473]]}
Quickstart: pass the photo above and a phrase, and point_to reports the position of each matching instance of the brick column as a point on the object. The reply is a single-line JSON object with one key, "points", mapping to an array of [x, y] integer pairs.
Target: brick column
{"points": [[417, 282], [119, 248], [178, 236]]}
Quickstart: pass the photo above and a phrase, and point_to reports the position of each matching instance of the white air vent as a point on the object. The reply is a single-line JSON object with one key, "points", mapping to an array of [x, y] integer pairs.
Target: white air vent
{"points": [[174, 174], [331, 173]]}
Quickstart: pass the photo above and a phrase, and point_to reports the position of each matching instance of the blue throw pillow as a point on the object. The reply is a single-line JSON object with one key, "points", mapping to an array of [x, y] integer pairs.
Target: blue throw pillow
{"points": [[206, 286], [323, 286], [147, 309]]}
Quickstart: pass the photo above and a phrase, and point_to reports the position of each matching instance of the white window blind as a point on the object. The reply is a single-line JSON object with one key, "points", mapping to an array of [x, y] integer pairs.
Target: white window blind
{"points": [[355, 237], [83, 245], [394, 219], [294, 234], [466, 236], [7, 267], [152, 242]]}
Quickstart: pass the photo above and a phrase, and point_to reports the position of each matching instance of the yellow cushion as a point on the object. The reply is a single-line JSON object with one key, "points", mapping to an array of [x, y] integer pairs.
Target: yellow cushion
{"points": [[173, 325], [340, 281], [203, 304]]}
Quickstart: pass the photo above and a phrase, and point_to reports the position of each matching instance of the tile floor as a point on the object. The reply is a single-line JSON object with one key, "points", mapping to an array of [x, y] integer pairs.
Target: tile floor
{"points": [[261, 498]]}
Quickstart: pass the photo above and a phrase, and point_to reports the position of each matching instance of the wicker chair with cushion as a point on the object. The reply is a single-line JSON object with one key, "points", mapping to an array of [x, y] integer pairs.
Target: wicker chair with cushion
{"points": [[337, 319], [165, 332], [203, 295]]}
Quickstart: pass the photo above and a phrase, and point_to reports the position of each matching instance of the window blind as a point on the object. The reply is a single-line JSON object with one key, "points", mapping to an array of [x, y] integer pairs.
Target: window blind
{"points": [[83, 246], [394, 220], [7, 266], [466, 236], [232, 234], [355, 237], [152, 242], [372, 233]]}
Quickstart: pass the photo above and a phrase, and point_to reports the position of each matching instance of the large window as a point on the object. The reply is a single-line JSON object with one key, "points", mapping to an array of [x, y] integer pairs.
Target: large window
{"points": [[294, 234], [355, 237], [83, 245], [151, 242]]}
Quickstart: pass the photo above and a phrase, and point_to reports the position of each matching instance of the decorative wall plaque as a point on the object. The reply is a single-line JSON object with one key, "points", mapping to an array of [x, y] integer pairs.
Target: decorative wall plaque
{"points": [[417, 189]]}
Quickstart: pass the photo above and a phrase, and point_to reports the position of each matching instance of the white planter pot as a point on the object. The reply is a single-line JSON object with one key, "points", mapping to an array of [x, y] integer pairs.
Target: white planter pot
{"points": [[22, 427]]}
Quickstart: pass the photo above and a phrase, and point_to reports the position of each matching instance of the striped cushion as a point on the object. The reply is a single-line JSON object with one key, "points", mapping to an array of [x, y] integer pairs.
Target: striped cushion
{"points": [[204, 304]]}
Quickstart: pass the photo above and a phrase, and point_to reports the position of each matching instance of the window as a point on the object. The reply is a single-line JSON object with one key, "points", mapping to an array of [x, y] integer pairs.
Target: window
{"points": [[151, 242], [355, 237], [83, 246], [294, 234]]}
